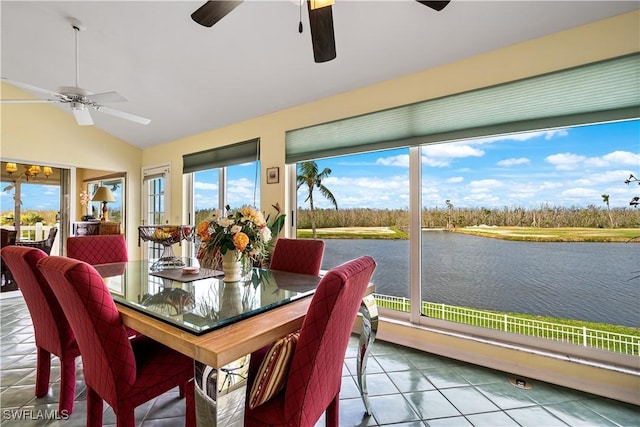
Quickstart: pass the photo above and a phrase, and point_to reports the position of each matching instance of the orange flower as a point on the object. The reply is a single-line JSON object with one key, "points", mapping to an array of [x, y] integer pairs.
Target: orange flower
{"points": [[203, 229], [240, 241]]}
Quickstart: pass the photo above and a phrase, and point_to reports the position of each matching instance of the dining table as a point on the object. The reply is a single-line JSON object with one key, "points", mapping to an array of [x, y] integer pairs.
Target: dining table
{"points": [[219, 324]]}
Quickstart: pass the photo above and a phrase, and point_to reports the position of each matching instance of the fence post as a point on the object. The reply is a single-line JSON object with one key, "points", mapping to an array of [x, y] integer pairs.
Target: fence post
{"points": [[38, 235], [506, 322], [584, 336], [442, 316]]}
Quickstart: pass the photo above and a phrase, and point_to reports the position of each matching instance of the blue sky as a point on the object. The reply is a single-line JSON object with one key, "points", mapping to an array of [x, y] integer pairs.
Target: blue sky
{"points": [[563, 167]]}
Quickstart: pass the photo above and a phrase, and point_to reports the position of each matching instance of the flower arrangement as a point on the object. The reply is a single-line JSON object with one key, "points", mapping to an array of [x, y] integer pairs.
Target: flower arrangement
{"points": [[243, 229]]}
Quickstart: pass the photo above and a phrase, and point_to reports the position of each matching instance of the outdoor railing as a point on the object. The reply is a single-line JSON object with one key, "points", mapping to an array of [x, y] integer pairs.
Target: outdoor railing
{"points": [[579, 335], [36, 232]]}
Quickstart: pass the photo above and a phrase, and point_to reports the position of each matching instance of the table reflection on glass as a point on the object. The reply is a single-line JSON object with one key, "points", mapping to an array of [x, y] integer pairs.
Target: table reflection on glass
{"points": [[202, 302], [216, 323]]}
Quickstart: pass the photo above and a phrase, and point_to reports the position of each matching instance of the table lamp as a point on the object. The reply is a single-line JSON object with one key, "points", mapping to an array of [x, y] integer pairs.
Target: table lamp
{"points": [[104, 195]]}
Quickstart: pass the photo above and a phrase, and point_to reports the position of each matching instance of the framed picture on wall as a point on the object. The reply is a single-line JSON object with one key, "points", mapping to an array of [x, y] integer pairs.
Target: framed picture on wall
{"points": [[273, 175]]}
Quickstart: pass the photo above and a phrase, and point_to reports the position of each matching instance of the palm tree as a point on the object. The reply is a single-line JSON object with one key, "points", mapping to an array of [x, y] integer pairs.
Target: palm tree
{"points": [[309, 176], [605, 198]]}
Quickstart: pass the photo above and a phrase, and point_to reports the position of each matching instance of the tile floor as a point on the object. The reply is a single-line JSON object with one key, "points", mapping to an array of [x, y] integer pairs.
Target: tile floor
{"points": [[407, 388]]}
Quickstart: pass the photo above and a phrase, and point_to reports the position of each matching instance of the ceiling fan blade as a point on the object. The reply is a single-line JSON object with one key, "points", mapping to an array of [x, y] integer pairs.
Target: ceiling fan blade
{"points": [[322, 36], [123, 115], [213, 11], [48, 93], [29, 101], [435, 5], [106, 97], [82, 115]]}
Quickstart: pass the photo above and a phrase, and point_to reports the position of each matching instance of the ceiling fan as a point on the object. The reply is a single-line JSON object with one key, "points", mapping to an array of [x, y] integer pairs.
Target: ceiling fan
{"points": [[320, 21], [80, 100]]}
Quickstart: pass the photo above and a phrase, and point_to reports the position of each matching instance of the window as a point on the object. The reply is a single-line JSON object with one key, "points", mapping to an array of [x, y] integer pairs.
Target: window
{"points": [[533, 180], [116, 209]]}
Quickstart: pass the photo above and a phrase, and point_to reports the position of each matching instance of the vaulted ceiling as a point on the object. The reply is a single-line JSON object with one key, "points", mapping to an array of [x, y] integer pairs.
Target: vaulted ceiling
{"points": [[188, 78]]}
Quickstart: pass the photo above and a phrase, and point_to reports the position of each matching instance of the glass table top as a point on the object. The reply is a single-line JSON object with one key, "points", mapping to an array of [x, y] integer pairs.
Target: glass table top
{"points": [[200, 303]]}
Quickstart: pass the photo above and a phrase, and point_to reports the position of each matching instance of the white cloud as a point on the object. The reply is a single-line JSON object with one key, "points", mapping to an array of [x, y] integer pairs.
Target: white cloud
{"points": [[623, 158], [441, 155], [484, 184], [455, 179], [513, 161], [401, 160], [617, 176], [199, 185], [565, 161]]}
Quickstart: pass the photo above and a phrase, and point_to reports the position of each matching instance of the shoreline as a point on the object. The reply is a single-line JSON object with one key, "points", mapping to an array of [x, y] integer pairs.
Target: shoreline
{"points": [[531, 234]]}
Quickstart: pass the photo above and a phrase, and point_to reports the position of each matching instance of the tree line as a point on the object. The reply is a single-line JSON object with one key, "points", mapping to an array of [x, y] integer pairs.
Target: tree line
{"points": [[545, 216]]}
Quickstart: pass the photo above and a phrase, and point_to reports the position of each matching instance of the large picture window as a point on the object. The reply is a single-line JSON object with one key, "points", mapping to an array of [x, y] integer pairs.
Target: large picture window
{"points": [[536, 225]]}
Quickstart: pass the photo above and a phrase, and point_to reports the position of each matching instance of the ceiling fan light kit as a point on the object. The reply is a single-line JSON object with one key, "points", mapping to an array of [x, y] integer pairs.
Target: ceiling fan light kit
{"points": [[79, 99], [320, 21]]}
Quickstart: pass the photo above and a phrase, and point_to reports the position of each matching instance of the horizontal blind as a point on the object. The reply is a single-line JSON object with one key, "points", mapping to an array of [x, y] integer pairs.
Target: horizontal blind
{"points": [[241, 152], [598, 92]]}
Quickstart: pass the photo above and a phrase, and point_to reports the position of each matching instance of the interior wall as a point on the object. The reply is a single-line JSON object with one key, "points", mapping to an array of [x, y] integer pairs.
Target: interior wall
{"points": [[41, 133], [602, 40], [34, 133]]}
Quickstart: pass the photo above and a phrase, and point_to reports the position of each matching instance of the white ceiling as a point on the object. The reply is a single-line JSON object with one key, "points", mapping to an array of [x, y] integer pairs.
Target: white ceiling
{"points": [[188, 79]]}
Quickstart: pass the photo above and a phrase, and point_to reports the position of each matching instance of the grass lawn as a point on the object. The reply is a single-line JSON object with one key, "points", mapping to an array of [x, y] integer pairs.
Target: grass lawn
{"points": [[567, 234]]}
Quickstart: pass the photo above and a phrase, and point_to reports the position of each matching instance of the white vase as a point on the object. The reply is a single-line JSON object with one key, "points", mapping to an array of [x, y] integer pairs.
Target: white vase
{"points": [[231, 266]]}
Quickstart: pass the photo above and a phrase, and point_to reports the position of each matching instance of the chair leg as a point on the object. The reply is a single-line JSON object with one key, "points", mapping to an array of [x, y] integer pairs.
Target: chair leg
{"points": [[333, 412], [43, 372], [94, 408], [126, 418], [67, 384], [189, 394]]}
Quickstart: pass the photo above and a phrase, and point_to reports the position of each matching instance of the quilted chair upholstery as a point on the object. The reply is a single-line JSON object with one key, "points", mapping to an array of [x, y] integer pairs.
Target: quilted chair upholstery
{"points": [[99, 249], [121, 372], [313, 383], [302, 256], [52, 331]]}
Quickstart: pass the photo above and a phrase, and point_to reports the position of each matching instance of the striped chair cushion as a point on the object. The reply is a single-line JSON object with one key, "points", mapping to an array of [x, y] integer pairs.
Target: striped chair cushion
{"points": [[273, 370]]}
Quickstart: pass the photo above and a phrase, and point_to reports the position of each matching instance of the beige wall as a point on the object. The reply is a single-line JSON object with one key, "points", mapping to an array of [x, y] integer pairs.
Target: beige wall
{"points": [[602, 40], [39, 133]]}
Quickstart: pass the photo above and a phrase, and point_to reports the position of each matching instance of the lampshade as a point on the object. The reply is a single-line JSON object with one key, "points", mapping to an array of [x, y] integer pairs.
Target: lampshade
{"points": [[103, 194], [11, 168], [317, 4], [47, 171]]}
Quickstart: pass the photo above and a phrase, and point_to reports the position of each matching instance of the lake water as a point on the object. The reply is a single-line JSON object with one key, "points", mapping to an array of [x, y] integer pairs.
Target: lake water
{"points": [[585, 281]]}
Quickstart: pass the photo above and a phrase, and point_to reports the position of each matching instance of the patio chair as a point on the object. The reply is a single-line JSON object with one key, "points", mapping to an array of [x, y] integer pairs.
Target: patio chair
{"points": [[44, 245], [298, 394], [123, 373], [7, 237]]}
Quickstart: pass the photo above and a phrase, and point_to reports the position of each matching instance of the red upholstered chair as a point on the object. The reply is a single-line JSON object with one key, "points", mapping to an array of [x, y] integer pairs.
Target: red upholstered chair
{"points": [[121, 372], [298, 256], [100, 249], [52, 331], [313, 382]]}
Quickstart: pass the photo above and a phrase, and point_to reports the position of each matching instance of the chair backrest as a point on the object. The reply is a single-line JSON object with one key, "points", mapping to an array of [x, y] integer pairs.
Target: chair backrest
{"points": [[51, 329], [298, 255], [99, 249], [316, 368], [7, 237], [107, 356]]}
